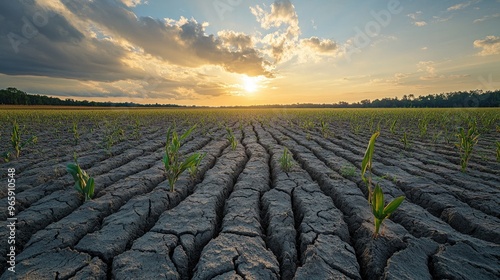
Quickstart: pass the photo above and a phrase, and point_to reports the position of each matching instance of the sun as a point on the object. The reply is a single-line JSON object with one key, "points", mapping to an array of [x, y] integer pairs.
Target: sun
{"points": [[250, 84]]}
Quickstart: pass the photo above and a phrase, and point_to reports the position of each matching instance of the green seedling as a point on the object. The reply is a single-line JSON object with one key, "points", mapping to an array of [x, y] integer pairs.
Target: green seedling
{"points": [[405, 140], [84, 184], [422, 126], [15, 139], [76, 135], [324, 129], [285, 160], [173, 164], [137, 129], [193, 170], [393, 126], [466, 141], [376, 197], [230, 137], [366, 164], [380, 213]]}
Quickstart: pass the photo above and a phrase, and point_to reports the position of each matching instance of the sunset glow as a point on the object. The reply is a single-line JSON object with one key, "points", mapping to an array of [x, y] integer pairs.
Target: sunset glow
{"points": [[248, 52]]}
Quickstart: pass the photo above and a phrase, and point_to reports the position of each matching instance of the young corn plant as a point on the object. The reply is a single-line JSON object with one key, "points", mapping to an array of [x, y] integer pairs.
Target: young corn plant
{"points": [[76, 135], [393, 126], [193, 170], [405, 140], [466, 141], [285, 160], [324, 129], [422, 126], [230, 137], [380, 213], [84, 184], [174, 166], [376, 197], [15, 139], [366, 165]]}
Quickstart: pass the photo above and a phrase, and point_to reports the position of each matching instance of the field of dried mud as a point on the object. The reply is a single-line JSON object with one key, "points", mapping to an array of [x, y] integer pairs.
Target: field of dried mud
{"points": [[242, 216]]}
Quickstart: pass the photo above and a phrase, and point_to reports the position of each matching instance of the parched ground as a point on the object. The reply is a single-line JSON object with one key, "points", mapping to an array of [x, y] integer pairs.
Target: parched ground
{"points": [[243, 217]]}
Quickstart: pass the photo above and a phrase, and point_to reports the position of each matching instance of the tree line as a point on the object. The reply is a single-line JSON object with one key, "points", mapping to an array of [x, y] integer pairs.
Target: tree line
{"points": [[13, 96], [473, 98]]}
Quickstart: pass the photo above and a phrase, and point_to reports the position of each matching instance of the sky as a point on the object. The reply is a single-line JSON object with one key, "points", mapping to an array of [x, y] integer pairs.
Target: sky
{"points": [[239, 52]]}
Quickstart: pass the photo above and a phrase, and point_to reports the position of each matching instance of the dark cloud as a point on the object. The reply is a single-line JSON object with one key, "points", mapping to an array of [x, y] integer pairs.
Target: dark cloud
{"points": [[37, 41], [182, 42]]}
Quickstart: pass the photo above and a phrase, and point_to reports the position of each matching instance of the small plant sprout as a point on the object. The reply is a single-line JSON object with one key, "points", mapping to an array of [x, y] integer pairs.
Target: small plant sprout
{"points": [[422, 126], [379, 211], [466, 141], [15, 139], [285, 160], [376, 197], [173, 164], [84, 184], [76, 135], [405, 140], [230, 137], [324, 129], [366, 165], [393, 126], [194, 168]]}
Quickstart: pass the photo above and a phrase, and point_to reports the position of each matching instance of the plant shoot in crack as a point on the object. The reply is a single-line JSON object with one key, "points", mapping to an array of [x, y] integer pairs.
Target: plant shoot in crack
{"points": [[285, 160], [230, 137], [466, 141], [173, 164], [84, 184], [376, 197], [16, 141]]}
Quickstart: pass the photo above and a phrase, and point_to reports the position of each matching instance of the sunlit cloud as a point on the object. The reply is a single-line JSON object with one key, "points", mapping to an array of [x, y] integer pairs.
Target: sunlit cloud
{"points": [[486, 17], [459, 6], [489, 45], [415, 19]]}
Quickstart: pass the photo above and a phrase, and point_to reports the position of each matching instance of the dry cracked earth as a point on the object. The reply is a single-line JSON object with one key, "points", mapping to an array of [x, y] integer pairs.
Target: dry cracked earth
{"points": [[243, 217]]}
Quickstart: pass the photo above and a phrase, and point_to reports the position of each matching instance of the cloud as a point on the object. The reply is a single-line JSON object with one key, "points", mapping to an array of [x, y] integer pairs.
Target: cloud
{"points": [[430, 74], [415, 19], [281, 43], [320, 45], [487, 17], [105, 48], [282, 13], [459, 6], [37, 41], [428, 68], [420, 23], [133, 3], [490, 45], [441, 19], [182, 42]]}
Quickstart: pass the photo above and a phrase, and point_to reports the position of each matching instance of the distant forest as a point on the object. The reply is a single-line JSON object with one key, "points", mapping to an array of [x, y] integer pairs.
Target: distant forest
{"points": [[473, 98]]}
